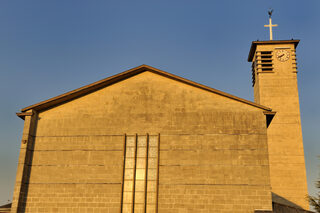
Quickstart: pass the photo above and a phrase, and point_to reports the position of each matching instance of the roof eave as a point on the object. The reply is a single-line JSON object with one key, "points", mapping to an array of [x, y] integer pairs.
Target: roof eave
{"points": [[269, 116], [84, 90]]}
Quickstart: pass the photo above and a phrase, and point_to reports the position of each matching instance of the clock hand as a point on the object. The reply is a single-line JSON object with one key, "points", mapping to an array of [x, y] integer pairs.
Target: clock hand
{"points": [[281, 55]]}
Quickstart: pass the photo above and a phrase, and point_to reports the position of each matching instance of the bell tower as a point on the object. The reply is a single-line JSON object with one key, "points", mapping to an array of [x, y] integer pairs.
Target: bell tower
{"points": [[274, 78]]}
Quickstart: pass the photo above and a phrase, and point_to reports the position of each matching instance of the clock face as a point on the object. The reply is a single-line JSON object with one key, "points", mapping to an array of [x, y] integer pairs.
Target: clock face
{"points": [[282, 55]]}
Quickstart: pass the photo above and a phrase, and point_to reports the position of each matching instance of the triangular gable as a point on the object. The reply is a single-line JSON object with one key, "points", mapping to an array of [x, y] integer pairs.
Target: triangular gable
{"points": [[41, 106]]}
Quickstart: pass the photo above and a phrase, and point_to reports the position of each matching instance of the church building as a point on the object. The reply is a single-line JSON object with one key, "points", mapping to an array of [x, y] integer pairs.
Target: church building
{"points": [[148, 141]]}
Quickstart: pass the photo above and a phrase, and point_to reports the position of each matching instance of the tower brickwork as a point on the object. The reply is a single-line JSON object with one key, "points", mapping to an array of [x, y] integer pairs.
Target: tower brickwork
{"points": [[274, 75]]}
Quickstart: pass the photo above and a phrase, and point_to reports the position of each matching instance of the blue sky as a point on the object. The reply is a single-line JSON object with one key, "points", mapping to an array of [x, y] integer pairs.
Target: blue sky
{"points": [[50, 47]]}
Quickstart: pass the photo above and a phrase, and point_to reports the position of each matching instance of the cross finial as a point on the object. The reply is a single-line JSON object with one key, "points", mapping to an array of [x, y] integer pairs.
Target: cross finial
{"points": [[270, 23]]}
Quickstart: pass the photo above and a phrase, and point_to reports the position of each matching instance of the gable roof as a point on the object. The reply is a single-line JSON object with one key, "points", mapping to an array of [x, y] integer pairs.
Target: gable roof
{"points": [[43, 105]]}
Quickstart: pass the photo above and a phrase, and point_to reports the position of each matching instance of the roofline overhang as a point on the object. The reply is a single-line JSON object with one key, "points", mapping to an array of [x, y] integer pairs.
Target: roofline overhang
{"points": [[269, 116], [255, 43], [52, 102], [22, 115]]}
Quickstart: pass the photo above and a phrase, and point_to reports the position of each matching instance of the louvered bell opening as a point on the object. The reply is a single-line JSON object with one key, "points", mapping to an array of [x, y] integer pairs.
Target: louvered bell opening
{"points": [[266, 61]]}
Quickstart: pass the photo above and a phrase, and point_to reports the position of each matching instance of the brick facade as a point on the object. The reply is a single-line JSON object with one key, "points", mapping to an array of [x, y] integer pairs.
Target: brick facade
{"points": [[213, 151]]}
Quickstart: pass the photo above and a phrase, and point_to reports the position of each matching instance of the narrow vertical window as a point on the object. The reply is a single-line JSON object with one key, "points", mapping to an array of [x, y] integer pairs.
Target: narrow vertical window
{"points": [[140, 185], [152, 180], [140, 180], [129, 173]]}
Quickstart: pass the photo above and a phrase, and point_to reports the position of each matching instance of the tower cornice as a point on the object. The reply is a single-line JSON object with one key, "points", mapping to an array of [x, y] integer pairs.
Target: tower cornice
{"points": [[255, 43]]}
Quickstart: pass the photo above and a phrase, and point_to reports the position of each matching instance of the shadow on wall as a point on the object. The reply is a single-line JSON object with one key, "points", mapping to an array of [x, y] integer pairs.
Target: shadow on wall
{"points": [[282, 205], [5, 208]]}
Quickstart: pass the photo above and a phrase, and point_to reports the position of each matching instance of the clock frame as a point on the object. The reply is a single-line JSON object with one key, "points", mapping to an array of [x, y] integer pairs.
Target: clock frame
{"points": [[282, 55]]}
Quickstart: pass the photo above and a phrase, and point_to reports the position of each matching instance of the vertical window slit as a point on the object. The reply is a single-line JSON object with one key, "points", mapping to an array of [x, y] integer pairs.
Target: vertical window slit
{"points": [[140, 174]]}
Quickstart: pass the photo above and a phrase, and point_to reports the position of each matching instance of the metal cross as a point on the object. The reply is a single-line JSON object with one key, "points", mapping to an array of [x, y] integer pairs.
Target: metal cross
{"points": [[270, 24]]}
